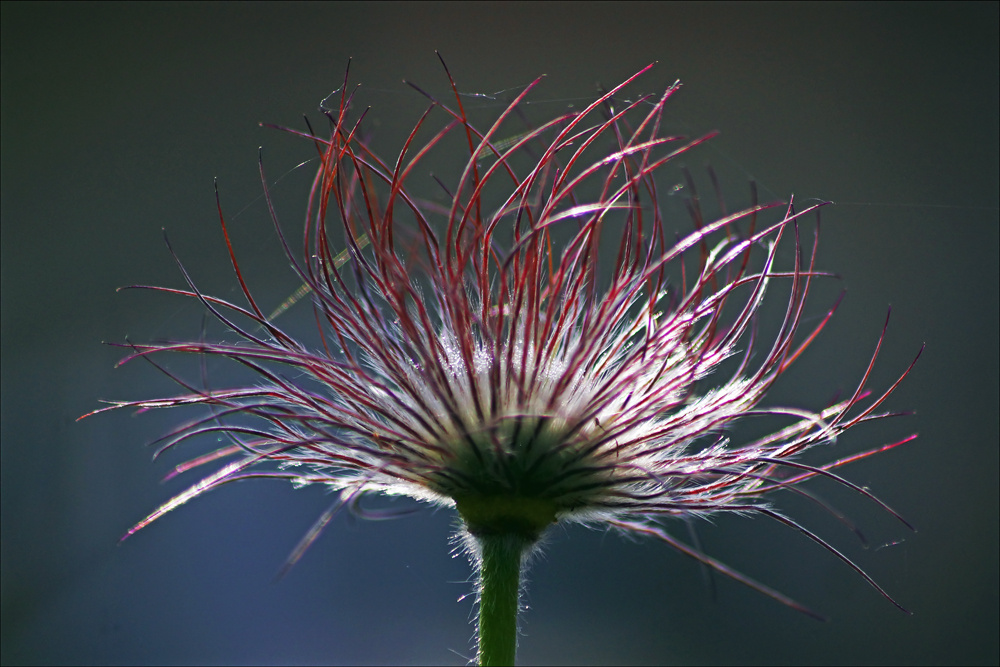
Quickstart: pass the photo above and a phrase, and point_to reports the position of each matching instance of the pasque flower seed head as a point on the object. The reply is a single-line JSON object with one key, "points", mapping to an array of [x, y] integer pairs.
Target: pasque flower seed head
{"points": [[539, 349]]}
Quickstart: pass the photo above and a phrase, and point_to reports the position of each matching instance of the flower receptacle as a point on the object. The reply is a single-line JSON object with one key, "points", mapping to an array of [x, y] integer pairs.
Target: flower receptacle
{"points": [[524, 517]]}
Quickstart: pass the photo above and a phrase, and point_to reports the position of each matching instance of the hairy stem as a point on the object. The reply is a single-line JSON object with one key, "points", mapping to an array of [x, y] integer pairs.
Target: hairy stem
{"points": [[499, 588]]}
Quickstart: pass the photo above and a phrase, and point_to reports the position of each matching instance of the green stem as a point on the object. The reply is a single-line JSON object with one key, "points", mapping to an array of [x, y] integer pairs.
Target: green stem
{"points": [[499, 586]]}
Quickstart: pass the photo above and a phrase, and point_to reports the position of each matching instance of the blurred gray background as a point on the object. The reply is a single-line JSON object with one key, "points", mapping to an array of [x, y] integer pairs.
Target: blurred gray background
{"points": [[116, 118]]}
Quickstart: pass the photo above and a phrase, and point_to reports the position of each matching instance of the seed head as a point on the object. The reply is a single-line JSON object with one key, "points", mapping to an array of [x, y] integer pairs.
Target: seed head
{"points": [[486, 355]]}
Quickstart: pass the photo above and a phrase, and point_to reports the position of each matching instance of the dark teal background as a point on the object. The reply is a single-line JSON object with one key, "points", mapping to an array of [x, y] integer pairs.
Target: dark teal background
{"points": [[116, 118]]}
